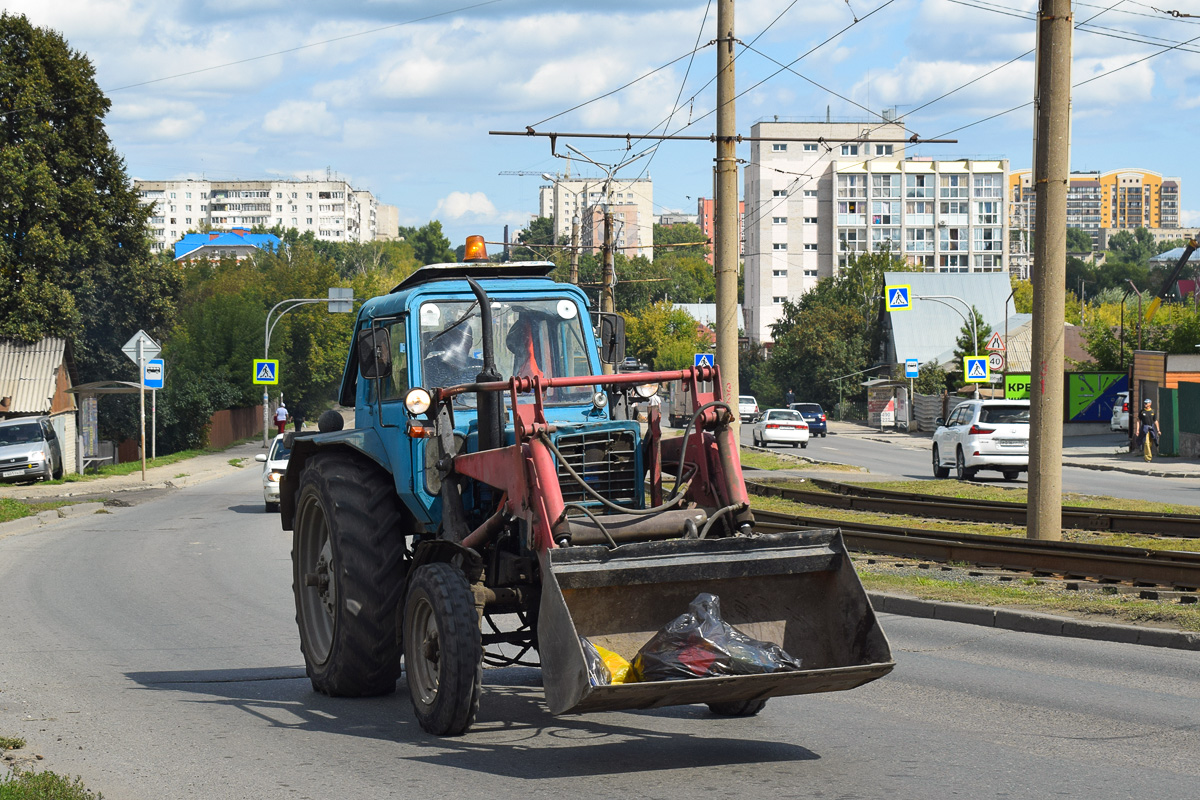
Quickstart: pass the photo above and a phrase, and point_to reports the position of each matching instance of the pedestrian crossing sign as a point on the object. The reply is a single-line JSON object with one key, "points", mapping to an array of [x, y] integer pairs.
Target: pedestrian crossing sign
{"points": [[976, 369], [704, 360], [266, 371], [899, 297]]}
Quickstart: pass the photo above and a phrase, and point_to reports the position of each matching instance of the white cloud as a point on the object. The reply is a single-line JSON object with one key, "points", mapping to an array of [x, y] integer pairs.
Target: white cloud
{"points": [[457, 205], [297, 117], [1189, 219]]}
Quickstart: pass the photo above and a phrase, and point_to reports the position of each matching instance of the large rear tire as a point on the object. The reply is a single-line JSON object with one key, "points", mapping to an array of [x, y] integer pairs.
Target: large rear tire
{"points": [[443, 649], [961, 470], [938, 470], [737, 708], [348, 569]]}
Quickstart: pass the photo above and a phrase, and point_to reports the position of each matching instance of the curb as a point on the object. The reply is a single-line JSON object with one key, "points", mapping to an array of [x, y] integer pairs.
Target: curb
{"points": [[1031, 622]]}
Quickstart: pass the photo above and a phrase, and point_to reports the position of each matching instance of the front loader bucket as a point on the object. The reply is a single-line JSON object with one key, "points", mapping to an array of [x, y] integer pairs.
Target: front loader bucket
{"points": [[797, 590]]}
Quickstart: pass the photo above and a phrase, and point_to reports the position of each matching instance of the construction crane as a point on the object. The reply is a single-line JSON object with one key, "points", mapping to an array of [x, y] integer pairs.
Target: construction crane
{"points": [[1170, 281]]}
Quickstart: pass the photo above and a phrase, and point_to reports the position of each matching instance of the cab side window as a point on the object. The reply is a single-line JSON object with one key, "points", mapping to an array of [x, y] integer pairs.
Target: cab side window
{"points": [[395, 385]]}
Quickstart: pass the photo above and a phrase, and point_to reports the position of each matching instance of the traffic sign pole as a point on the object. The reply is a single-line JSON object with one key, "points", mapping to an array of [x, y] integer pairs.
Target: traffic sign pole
{"points": [[141, 358]]}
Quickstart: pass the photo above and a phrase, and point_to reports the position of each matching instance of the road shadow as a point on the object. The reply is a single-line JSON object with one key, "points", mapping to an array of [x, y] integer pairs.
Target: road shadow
{"points": [[514, 735], [250, 508]]}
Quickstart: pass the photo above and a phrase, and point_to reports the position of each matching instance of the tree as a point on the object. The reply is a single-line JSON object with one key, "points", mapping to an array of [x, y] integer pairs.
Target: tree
{"points": [[664, 337], [684, 232], [75, 259], [429, 244], [1078, 241]]}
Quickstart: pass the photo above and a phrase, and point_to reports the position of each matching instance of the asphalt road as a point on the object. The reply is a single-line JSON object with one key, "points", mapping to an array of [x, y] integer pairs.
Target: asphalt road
{"points": [[904, 458], [153, 651]]}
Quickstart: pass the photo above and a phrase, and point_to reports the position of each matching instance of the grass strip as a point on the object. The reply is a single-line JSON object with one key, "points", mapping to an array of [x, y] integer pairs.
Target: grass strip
{"points": [[29, 785], [17, 509], [966, 490], [770, 461]]}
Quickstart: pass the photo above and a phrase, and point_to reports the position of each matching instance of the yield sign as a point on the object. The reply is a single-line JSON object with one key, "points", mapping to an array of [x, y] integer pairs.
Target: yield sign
{"points": [[995, 343]]}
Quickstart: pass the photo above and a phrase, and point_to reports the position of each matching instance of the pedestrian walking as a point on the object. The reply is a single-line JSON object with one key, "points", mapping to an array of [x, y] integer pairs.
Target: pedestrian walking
{"points": [[789, 398], [281, 416], [1147, 428]]}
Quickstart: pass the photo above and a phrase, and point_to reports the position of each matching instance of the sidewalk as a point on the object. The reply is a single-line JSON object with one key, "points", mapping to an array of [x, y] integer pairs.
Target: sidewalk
{"points": [[1100, 451]]}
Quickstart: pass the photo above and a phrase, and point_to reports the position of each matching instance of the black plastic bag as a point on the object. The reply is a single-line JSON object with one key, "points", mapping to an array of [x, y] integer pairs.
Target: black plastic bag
{"points": [[598, 672], [699, 644]]}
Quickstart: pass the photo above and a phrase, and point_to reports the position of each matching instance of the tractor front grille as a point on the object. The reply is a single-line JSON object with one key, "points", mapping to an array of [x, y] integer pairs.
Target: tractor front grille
{"points": [[607, 461]]}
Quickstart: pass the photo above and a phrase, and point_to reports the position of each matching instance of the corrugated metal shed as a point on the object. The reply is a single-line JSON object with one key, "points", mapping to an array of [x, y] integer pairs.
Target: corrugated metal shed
{"points": [[29, 374], [928, 331]]}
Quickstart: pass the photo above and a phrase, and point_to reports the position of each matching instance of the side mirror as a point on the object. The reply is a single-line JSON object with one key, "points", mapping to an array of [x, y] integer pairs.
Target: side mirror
{"points": [[375, 352], [941, 423], [260, 457], [612, 338]]}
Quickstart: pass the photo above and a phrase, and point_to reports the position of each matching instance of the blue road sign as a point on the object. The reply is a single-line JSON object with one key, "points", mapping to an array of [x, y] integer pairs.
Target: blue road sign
{"points": [[154, 373], [266, 371], [899, 297], [976, 369], [911, 368], [705, 360]]}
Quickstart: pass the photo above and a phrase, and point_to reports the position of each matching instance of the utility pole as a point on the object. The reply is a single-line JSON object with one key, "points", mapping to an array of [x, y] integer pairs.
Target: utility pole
{"points": [[575, 249], [725, 209], [607, 301], [1051, 171]]}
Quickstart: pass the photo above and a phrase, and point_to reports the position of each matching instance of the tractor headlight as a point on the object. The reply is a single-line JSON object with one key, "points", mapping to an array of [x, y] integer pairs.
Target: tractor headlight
{"points": [[599, 399], [417, 401], [646, 390]]}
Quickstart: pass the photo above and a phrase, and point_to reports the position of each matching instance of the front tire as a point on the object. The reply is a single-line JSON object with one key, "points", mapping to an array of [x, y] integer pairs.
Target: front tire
{"points": [[443, 649], [938, 470], [348, 570]]}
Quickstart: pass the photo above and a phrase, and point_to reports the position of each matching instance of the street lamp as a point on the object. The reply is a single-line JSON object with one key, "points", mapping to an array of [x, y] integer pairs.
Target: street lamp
{"points": [[340, 302], [1139, 294], [941, 298]]}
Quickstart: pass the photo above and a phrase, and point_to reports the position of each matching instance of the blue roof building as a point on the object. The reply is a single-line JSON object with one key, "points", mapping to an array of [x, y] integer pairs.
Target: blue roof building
{"points": [[238, 243]]}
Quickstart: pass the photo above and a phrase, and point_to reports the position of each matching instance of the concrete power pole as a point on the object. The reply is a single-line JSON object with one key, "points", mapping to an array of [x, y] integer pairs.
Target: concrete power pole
{"points": [[607, 300], [725, 209], [575, 249], [1051, 171]]}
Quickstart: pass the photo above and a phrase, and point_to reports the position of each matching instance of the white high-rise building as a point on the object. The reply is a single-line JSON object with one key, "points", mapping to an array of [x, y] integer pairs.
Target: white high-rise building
{"points": [[811, 206], [332, 210], [569, 197]]}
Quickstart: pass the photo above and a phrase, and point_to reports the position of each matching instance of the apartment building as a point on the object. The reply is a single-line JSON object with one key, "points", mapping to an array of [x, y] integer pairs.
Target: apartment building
{"points": [[818, 194], [704, 216], [331, 209], [626, 230], [569, 197], [1118, 200]]}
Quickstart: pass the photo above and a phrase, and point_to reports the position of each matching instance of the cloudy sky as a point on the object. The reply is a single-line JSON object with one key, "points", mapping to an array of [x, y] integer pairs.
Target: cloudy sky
{"points": [[398, 96]]}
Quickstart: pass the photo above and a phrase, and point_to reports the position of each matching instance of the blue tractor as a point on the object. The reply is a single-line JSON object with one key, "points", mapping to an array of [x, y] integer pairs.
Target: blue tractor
{"points": [[496, 499]]}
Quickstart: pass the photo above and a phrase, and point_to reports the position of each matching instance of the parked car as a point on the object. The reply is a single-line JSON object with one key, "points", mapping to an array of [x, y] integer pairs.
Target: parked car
{"points": [[747, 407], [780, 426], [29, 450], [983, 434], [274, 463], [814, 415], [1120, 417]]}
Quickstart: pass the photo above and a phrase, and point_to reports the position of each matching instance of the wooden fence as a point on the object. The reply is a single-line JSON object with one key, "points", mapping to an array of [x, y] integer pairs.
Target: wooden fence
{"points": [[224, 428]]}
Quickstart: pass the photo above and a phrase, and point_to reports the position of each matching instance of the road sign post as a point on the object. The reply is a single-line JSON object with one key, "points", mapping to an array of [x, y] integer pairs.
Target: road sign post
{"points": [[140, 349], [153, 377]]}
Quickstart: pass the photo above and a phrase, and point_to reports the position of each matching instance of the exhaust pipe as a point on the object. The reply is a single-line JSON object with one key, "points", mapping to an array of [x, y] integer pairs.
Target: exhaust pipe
{"points": [[490, 405]]}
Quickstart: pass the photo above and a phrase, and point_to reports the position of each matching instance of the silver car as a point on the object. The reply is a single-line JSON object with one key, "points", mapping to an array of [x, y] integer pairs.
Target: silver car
{"points": [[29, 450], [274, 463], [983, 434]]}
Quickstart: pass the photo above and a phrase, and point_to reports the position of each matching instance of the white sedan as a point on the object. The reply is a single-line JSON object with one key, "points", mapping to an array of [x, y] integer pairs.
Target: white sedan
{"points": [[274, 463], [780, 426]]}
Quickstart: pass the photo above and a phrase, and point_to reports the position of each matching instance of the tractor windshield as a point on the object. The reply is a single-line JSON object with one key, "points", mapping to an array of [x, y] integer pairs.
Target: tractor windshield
{"points": [[531, 338]]}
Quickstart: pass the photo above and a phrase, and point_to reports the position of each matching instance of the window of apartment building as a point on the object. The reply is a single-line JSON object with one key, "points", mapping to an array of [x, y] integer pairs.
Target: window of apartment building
{"points": [[278, 220], [918, 212], [279, 195], [295, 209], [293, 195], [953, 263], [779, 147], [294, 221], [810, 220], [810, 273], [955, 211], [187, 221], [308, 221], [852, 240], [278, 209], [810, 192], [779, 193], [852, 186], [778, 300], [309, 194], [172, 195], [204, 195], [779, 273], [883, 149], [988, 239], [156, 220], [849, 149], [987, 213], [156, 245], [172, 220], [810, 147], [885, 238], [779, 246], [918, 240], [885, 186], [924, 262], [955, 186], [308, 209], [338, 195], [918, 186], [779, 220], [852, 212], [989, 262], [885, 213], [954, 239], [988, 185], [811, 247]]}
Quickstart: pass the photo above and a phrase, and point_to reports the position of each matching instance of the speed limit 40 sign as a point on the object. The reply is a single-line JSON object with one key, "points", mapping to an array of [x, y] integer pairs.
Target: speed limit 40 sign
{"points": [[996, 362]]}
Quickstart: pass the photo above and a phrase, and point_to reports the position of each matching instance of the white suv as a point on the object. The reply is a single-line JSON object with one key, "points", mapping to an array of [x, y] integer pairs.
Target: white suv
{"points": [[983, 434], [1120, 415]]}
